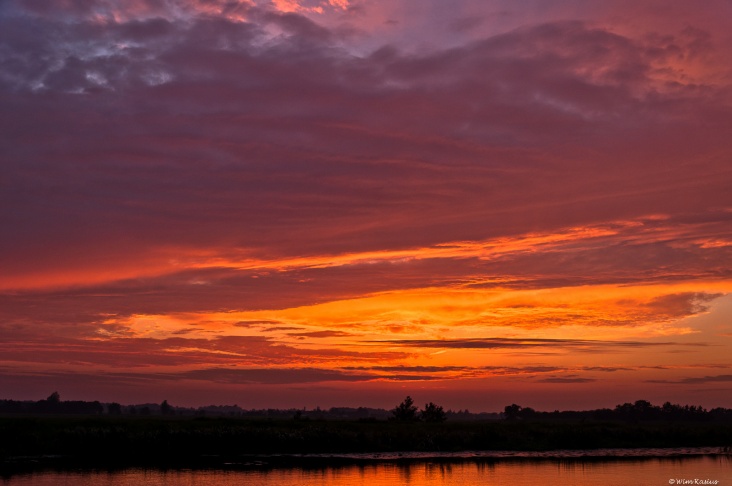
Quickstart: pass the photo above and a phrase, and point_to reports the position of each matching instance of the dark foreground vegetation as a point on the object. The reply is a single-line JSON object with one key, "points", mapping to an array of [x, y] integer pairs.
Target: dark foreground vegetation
{"points": [[168, 439], [156, 440]]}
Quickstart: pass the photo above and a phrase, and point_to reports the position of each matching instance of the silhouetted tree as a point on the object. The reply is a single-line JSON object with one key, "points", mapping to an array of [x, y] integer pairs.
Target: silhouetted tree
{"points": [[433, 413], [640, 410], [527, 413], [405, 411], [52, 404], [166, 409], [114, 408], [511, 412]]}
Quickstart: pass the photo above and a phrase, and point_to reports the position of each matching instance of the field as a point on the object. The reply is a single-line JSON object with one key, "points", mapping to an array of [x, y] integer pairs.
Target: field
{"points": [[175, 441]]}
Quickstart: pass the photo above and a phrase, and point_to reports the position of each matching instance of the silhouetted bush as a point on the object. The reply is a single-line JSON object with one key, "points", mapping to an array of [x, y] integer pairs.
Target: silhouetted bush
{"points": [[433, 413], [405, 411]]}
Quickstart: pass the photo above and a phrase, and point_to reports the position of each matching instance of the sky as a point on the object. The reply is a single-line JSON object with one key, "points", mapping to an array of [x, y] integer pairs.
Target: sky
{"points": [[301, 203]]}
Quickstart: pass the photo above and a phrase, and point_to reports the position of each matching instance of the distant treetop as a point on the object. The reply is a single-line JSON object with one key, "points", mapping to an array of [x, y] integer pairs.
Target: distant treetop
{"points": [[405, 411]]}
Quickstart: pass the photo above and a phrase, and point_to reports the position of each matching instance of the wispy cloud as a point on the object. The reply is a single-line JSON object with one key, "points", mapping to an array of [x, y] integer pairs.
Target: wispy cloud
{"points": [[697, 380], [567, 380], [558, 344]]}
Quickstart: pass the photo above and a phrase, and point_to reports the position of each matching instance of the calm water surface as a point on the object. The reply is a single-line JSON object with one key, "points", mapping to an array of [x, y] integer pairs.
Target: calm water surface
{"points": [[514, 472], [571, 468]]}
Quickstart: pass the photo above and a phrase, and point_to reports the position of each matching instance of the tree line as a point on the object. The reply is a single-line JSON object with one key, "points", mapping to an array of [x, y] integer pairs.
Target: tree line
{"points": [[639, 411], [406, 411], [52, 405]]}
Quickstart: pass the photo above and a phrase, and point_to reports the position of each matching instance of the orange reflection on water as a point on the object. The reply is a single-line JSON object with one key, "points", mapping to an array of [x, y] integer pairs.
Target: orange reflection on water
{"points": [[501, 473]]}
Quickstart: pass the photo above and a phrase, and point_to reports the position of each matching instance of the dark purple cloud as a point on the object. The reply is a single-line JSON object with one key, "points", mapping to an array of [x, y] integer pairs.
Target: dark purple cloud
{"points": [[567, 380], [285, 145], [697, 380], [585, 345], [273, 375], [319, 334]]}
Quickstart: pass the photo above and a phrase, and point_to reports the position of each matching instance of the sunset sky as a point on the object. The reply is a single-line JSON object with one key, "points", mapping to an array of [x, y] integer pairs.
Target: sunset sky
{"points": [[301, 203]]}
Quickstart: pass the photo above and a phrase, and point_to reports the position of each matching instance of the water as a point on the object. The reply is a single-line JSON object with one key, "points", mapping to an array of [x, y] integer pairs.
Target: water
{"points": [[565, 470]]}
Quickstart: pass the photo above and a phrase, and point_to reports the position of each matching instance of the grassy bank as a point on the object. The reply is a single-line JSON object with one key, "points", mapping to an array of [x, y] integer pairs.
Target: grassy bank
{"points": [[172, 439]]}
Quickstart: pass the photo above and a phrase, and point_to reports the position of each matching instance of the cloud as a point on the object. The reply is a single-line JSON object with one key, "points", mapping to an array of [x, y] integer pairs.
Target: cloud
{"points": [[109, 353], [459, 372], [410, 369], [267, 323], [297, 375], [566, 380], [231, 376], [697, 380], [586, 345], [272, 376], [249, 152], [319, 334], [678, 305]]}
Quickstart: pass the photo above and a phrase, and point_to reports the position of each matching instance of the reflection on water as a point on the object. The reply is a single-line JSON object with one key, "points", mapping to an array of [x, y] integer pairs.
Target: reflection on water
{"points": [[565, 472]]}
